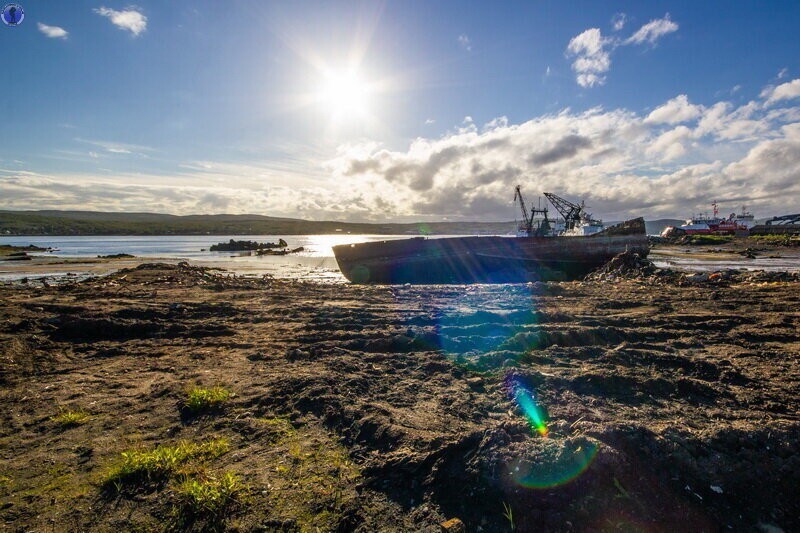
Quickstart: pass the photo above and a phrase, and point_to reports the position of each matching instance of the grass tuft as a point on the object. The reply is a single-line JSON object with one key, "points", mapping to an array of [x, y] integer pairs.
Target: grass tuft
{"points": [[200, 399], [162, 461], [211, 494], [69, 418]]}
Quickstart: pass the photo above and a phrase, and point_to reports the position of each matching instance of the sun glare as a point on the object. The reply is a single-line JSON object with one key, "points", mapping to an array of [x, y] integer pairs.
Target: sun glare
{"points": [[345, 95]]}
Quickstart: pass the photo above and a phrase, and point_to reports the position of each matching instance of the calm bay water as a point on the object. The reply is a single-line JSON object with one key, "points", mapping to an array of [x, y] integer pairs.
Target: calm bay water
{"points": [[316, 261]]}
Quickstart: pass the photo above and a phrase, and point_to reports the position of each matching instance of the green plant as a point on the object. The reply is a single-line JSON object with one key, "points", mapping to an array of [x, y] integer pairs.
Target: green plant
{"points": [[509, 515], [209, 494], [200, 399], [69, 418], [622, 492], [162, 461]]}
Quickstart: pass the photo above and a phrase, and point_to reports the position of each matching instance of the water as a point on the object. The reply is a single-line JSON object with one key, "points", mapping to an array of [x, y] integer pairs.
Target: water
{"points": [[701, 260], [316, 261], [75, 255]]}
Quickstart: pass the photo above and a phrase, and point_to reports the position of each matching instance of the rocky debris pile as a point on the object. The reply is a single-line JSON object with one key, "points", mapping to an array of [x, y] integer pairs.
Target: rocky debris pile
{"points": [[280, 252], [629, 265], [246, 246], [626, 265], [116, 256], [183, 274]]}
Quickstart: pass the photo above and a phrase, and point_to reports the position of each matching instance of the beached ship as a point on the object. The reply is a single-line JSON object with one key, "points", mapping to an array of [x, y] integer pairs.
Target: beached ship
{"points": [[537, 254], [713, 225]]}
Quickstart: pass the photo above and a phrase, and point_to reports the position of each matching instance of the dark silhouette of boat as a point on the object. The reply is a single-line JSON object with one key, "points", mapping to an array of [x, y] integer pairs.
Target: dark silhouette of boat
{"points": [[493, 259]]}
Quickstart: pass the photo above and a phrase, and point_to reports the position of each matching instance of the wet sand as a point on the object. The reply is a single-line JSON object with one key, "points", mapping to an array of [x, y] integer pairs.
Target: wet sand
{"points": [[582, 406]]}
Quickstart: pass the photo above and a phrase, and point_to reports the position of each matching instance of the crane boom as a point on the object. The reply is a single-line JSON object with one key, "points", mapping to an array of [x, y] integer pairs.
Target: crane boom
{"points": [[571, 212], [527, 220]]}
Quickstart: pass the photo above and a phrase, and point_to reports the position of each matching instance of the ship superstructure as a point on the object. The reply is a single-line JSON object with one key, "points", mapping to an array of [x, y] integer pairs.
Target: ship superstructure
{"points": [[702, 224]]}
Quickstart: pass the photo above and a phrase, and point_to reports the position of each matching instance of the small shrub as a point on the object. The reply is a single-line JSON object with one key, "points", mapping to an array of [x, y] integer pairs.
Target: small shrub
{"points": [[210, 494], [70, 418], [200, 399], [162, 461]]}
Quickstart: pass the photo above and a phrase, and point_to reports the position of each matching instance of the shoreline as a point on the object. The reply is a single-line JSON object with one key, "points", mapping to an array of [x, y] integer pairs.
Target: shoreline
{"points": [[703, 258]]}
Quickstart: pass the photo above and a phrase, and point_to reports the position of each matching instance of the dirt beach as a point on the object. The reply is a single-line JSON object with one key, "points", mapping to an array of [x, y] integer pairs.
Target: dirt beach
{"points": [[636, 402]]}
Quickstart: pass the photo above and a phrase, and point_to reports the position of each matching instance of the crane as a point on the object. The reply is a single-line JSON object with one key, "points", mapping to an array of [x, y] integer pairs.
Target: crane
{"points": [[543, 226], [571, 212], [527, 221]]}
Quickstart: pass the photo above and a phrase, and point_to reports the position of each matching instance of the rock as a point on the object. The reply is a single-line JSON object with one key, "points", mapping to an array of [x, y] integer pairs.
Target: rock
{"points": [[454, 525], [624, 265]]}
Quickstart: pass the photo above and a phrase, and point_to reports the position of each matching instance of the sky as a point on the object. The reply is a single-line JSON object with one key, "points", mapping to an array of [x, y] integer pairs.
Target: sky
{"points": [[401, 110]]}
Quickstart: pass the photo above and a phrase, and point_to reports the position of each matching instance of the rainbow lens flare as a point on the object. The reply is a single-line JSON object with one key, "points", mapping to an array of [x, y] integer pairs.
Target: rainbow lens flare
{"points": [[554, 464], [550, 463], [535, 415]]}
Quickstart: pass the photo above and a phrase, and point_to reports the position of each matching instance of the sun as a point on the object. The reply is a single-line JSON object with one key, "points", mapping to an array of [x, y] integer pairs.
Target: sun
{"points": [[345, 95]]}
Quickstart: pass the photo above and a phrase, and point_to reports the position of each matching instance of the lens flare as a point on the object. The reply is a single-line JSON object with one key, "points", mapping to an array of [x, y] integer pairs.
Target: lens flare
{"points": [[552, 463], [535, 415], [555, 464]]}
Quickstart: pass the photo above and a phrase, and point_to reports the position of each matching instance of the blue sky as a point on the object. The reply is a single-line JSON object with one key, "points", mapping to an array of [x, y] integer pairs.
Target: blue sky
{"points": [[401, 110]]}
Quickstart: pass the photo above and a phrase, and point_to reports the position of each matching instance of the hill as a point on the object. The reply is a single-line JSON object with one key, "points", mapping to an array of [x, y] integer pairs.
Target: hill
{"points": [[51, 222], [100, 223]]}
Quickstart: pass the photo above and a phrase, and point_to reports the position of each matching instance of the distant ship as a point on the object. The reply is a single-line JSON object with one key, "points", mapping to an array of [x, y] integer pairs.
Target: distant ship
{"points": [[539, 252], [713, 225]]}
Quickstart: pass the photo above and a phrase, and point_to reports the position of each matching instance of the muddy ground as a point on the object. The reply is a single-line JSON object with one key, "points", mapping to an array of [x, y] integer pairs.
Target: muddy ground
{"points": [[667, 406]]}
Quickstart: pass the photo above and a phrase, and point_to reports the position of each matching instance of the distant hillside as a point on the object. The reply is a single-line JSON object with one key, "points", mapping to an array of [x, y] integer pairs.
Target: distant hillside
{"points": [[99, 223]]}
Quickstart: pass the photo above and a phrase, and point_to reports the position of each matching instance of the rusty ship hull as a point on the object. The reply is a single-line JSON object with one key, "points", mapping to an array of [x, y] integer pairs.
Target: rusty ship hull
{"points": [[492, 259]]}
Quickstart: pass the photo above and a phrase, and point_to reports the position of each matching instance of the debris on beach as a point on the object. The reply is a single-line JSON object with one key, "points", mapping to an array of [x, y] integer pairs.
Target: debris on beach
{"points": [[116, 256], [246, 246], [625, 265], [280, 252]]}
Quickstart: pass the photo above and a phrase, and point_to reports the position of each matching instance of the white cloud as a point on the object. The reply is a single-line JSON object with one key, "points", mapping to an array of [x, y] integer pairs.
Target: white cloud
{"points": [[784, 91], [618, 21], [783, 72], [117, 148], [670, 144], [592, 51], [429, 121], [54, 32], [592, 57], [464, 41], [130, 19], [675, 111], [653, 31], [621, 162]]}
